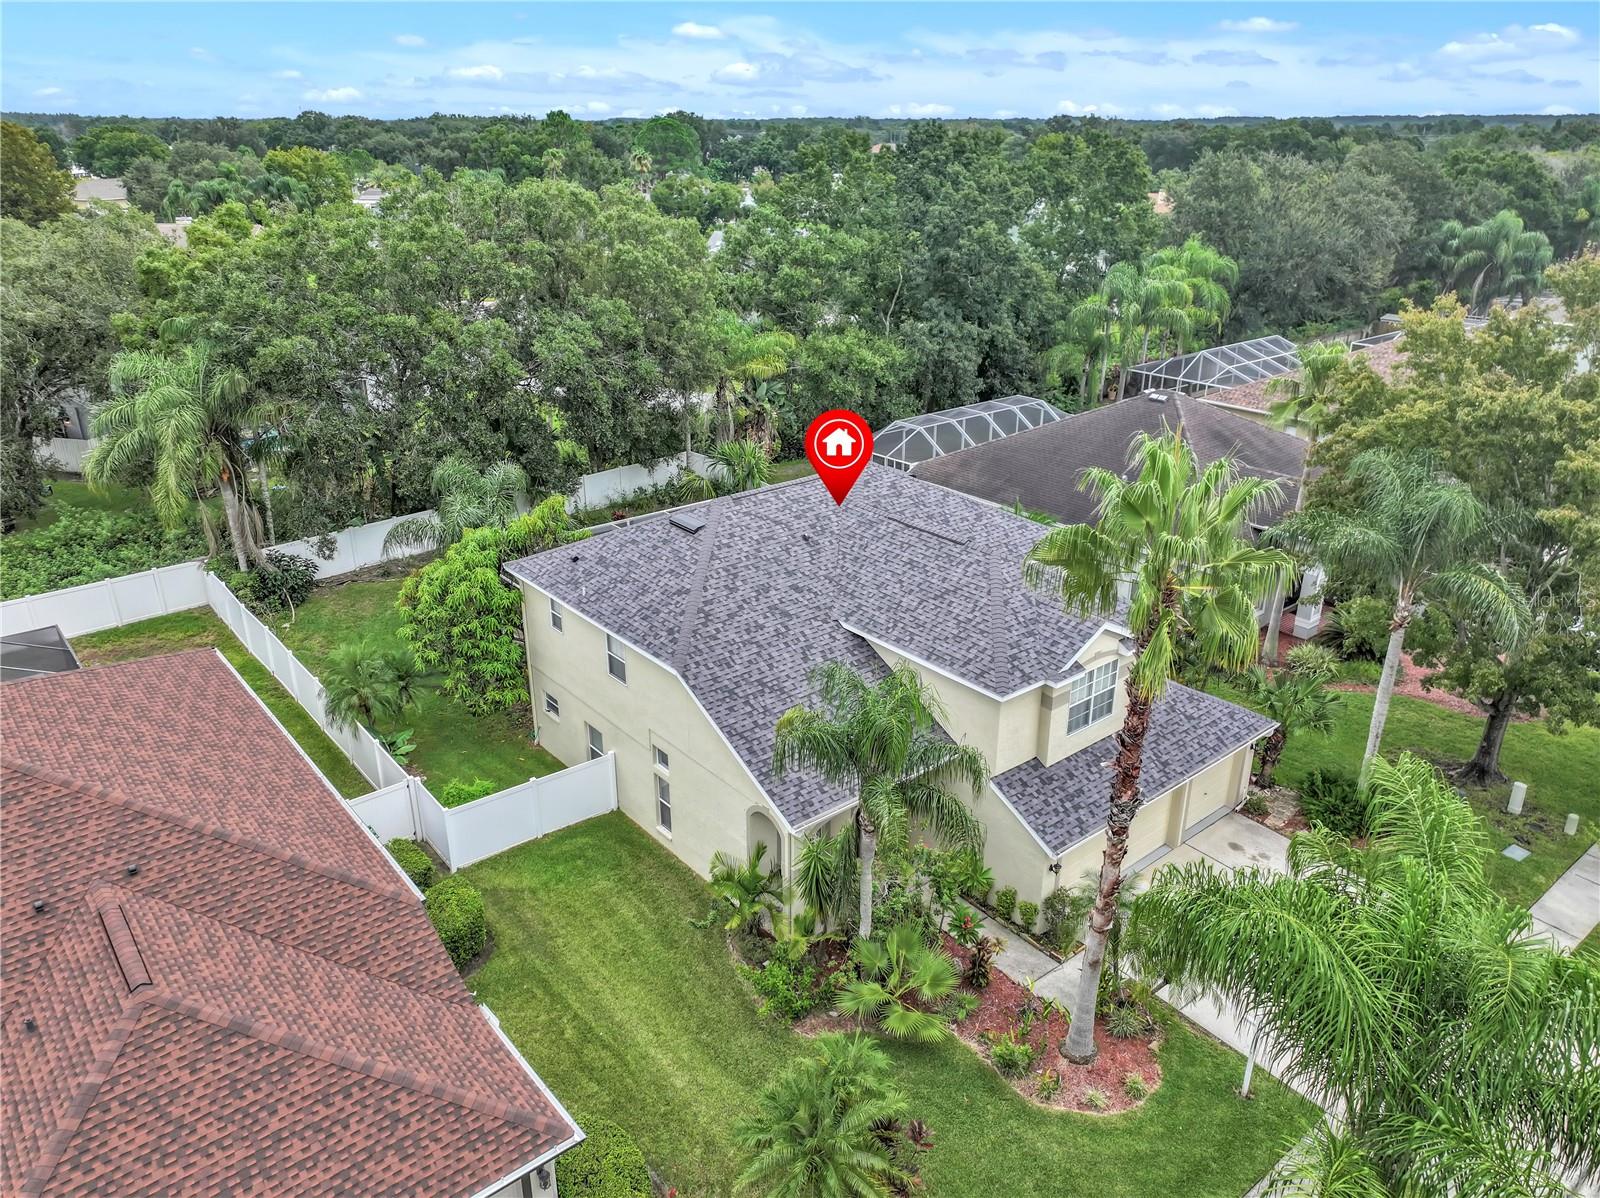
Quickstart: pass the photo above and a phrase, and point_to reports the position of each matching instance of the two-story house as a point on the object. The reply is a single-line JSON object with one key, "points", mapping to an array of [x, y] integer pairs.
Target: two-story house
{"points": [[677, 641]]}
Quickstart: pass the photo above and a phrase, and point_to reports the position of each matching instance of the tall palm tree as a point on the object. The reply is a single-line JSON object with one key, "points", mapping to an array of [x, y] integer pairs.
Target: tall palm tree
{"points": [[185, 415], [826, 1127], [464, 497], [880, 741], [1419, 534], [1175, 535], [1500, 257], [1456, 1045], [641, 166], [1301, 403], [746, 354], [1209, 275]]}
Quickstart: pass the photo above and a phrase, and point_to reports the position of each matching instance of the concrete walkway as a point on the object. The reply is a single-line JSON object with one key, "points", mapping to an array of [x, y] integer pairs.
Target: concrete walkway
{"points": [[1570, 909]]}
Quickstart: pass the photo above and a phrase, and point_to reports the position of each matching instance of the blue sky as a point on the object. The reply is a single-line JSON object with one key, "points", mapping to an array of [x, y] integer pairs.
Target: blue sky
{"points": [[768, 60]]}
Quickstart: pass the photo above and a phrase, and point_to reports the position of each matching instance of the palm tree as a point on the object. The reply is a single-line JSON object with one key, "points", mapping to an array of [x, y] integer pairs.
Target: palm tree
{"points": [[818, 1131], [1416, 532], [746, 354], [1500, 257], [1298, 702], [1457, 1046], [464, 498], [1301, 403], [751, 892], [1209, 274], [901, 984], [1174, 534], [641, 166], [745, 465], [880, 741], [368, 683], [185, 416]]}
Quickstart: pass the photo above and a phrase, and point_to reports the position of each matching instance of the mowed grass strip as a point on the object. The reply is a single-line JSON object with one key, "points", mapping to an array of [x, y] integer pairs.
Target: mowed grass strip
{"points": [[628, 1011]]}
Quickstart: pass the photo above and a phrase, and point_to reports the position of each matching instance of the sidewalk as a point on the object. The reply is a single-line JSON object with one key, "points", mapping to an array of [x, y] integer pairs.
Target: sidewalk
{"points": [[1570, 909]]}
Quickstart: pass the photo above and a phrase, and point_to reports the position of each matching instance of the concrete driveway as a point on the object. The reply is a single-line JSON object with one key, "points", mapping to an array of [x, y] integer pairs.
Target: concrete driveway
{"points": [[1237, 842]]}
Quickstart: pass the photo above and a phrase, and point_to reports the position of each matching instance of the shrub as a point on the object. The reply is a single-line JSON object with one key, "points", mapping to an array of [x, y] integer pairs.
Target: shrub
{"points": [[792, 988], [981, 966], [457, 792], [1135, 1087], [1013, 1057], [1057, 911], [283, 585], [1333, 799], [608, 1164], [1312, 660], [975, 878], [1255, 804], [1005, 902], [456, 909], [86, 545], [1126, 1020], [1096, 1100], [1049, 1085], [902, 982], [961, 1005], [1362, 626], [966, 929], [414, 861], [1027, 916]]}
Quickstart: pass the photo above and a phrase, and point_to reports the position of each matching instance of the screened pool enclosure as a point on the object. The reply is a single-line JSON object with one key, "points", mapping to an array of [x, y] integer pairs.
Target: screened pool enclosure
{"points": [[905, 443], [1216, 368]]}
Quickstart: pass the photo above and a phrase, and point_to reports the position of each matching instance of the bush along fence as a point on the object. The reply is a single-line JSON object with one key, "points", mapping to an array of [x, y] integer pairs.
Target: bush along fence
{"points": [[401, 806]]}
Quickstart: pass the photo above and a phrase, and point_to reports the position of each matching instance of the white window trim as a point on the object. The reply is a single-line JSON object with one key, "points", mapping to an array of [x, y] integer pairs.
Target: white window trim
{"points": [[656, 754], [660, 781], [590, 752], [1094, 693], [555, 712], [557, 616], [614, 653]]}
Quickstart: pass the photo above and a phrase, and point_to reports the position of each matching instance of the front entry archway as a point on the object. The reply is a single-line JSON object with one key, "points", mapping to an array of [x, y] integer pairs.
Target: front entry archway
{"points": [[759, 829]]}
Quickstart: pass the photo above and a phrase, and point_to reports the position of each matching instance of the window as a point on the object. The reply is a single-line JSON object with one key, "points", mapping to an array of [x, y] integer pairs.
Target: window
{"points": [[615, 662], [663, 803], [662, 762], [555, 615], [552, 705], [1091, 696], [597, 743]]}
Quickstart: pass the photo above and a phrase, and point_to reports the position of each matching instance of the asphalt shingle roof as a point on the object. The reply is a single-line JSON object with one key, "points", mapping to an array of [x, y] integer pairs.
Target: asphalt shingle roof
{"points": [[1040, 467], [780, 580], [225, 988], [1189, 730]]}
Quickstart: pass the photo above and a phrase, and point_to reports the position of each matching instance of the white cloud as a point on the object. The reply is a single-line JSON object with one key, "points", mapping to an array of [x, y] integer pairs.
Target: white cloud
{"points": [[708, 33], [738, 72], [486, 70], [202, 54], [333, 95], [1558, 110], [410, 39], [289, 73], [919, 110], [1215, 110], [797, 110], [1258, 25], [1514, 41], [47, 91], [1559, 32], [1071, 108], [594, 106]]}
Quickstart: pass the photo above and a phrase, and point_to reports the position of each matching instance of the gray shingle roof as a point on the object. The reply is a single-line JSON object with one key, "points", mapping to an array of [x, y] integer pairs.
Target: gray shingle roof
{"points": [[1189, 730], [1040, 467], [777, 580]]}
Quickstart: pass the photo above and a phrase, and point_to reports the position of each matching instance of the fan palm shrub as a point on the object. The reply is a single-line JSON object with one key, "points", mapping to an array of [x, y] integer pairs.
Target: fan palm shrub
{"points": [[1173, 535], [1457, 1045], [901, 985], [1297, 702], [369, 683], [751, 893], [827, 1127], [464, 497], [1419, 534], [879, 740]]}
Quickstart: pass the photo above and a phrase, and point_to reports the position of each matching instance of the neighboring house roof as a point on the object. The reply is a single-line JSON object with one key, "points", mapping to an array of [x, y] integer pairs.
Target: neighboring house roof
{"points": [[1040, 468], [88, 190], [780, 579], [228, 988], [1384, 357], [1189, 730]]}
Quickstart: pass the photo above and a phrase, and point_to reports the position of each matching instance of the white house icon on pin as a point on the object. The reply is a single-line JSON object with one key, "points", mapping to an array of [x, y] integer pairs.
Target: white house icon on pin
{"points": [[839, 443]]}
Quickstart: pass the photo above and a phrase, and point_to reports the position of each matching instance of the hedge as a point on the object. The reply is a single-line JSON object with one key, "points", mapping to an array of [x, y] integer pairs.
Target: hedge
{"points": [[606, 1165], [413, 859], [87, 545], [456, 909]]}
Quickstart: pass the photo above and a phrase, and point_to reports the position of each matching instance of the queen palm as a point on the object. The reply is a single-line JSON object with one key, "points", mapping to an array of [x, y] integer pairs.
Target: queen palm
{"points": [[184, 415], [879, 740], [1174, 534], [1301, 403], [1500, 257], [464, 497], [1209, 274], [1416, 533], [1456, 1045]]}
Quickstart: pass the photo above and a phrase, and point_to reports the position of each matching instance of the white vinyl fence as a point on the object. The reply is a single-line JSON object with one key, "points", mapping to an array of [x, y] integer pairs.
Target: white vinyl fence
{"points": [[110, 603], [613, 486], [70, 452]]}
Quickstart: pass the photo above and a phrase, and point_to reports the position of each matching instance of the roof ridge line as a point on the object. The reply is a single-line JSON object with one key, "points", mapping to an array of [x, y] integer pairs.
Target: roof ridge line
{"points": [[697, 587], [196, 824]]}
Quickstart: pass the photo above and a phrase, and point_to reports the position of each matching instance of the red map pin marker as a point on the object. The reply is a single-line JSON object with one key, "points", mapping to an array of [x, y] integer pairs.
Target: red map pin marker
{"points": [[839, 444]]}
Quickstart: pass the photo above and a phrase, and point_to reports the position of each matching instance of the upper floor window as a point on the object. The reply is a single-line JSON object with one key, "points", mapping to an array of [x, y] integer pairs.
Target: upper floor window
{"points": [[663, 762], [1091, 696], [616, 663], [555, 615]]}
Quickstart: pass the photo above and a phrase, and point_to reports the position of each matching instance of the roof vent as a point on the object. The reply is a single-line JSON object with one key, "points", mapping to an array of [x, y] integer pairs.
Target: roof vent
{"points": [[690, 522], [133, 870], [29, 1024], [1156, 396], [38, 906]]}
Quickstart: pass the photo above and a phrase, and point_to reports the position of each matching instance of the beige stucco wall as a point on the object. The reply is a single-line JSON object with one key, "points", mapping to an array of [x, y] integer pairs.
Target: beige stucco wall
{"points": [[712, 793]]}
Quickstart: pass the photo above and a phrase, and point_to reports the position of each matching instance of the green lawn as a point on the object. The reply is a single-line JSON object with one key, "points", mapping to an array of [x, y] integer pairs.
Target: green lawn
{"points": [[201, 629], [630, 1013], [782, 472], [1561, 773], [70, 493], [452, 742]]}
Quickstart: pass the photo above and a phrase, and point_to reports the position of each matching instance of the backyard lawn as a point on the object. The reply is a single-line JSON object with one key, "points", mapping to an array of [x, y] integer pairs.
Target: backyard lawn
{"points": [[630, 1013], [452, 743], [201, 629], [1561, 773], [71, 493]]}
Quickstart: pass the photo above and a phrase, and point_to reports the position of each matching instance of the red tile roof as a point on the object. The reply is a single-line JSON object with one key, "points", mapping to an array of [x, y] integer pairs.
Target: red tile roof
{"points": [[261, 1005], [1383, 357]]}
